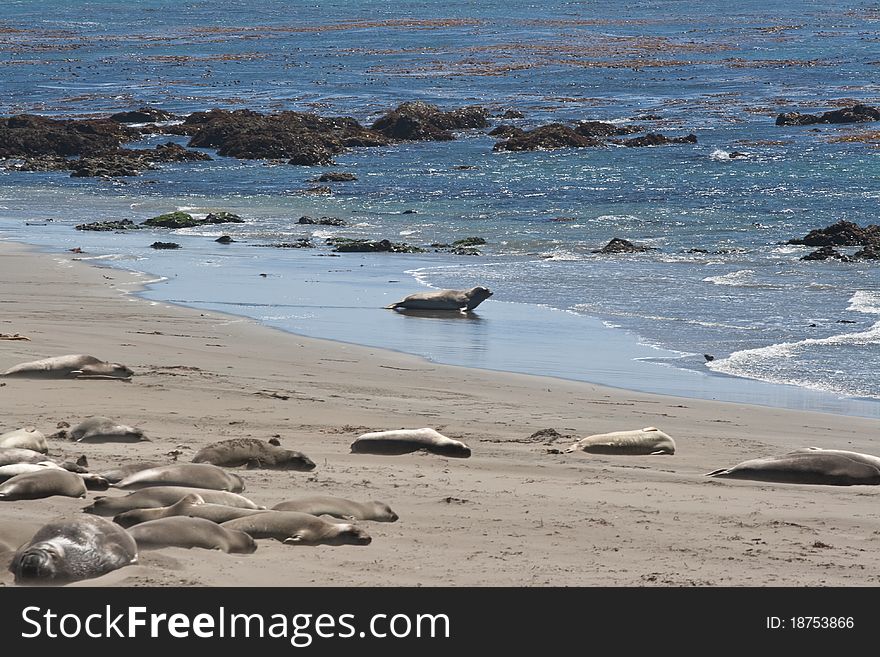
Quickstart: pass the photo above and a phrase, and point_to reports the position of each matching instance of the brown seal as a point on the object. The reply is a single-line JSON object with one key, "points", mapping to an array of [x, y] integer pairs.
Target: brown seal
{"points": [[192, 505], [462, 300], [294, 528], [195, 475], [37, 485], [834, 467], [156, 496], [78, 366], [404, 441], [647, 441], [253, 453], [186, 532], [339, 507], [26, 438]]}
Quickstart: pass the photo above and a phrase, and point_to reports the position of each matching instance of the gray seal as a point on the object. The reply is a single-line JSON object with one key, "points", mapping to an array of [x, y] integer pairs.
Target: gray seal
{"points": [[186, 532], [195, 475], [833, 467], [461, 300], [101, 429], [10, 455], [37, 485], [339, 507], [117, 474], [76, 366], [92, 481], [25, 438], [192, 505], [73, 550], [647, 441], [294, 528], [405, 441], [253, 453], [157, 496]]}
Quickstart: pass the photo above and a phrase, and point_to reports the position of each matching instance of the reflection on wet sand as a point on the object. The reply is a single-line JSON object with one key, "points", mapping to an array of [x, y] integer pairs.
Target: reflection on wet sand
{"points": [[439, 314]]}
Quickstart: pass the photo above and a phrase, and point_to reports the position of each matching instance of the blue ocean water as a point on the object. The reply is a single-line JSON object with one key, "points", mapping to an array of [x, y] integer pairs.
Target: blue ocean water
{"points": [[641, 321]]}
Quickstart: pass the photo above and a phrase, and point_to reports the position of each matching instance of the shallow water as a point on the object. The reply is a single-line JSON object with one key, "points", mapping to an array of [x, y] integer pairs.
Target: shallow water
{"points": [[641, 321]]}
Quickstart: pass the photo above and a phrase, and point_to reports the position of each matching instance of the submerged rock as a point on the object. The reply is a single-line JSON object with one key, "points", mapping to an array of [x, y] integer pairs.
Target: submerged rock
{"points": [[656, 139], [827, 253], [842, 233], [222, 217], [546, 137], [854, 114], [224, 239], [302, 243], [333, 176], [618, 245], [602, 129], [179, 219], [323, 221], [419, 121], [164, 245], [871, 252], [142, 115], [347, 245], [123, 224]]}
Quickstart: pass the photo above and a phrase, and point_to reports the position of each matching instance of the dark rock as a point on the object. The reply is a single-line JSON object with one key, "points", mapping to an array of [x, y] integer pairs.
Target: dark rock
{"points": [[332, 176], [656, 139], [323, 221], [27, 135], [546, 137], [108, 165], [737, 154], [513, 114], [464, 250], [469, 241], [172, 220], [602, 129], [320, 190], [346, 245], [846, 321], [302, 243], [842, 233], [419, 121], [142, 115], [854, 114], [171, 152], [826, 253], [708, 357], [222, 217], [124, 224], [224, 239], [408, 212], [618, 245], [506, 131], [870, 252], [164, 245], [40, 163]]}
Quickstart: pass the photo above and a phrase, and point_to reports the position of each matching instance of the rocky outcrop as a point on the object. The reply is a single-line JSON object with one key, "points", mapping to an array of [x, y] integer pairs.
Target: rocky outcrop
{"points": [[302, 243], [602, 129], [124, 224], [222, 217], [827, 253], [333, 176], [346, 245], [618, 245], [853, 114], [142, 115], [39, 163], [224, 239], [178, 219], [842, 233], [506, 131], [164, 245], [28, 135], [419, 121], [656, 139], [546, 137], [322, 221]]}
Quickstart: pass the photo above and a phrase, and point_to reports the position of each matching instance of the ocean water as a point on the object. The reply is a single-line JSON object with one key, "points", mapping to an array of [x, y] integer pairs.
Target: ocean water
{"points": [[781, 331]]}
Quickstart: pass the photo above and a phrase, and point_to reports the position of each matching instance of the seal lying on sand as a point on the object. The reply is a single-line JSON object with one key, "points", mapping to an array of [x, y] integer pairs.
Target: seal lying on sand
{"points": [[73, 550], [320, 505], [10, 455], [196, 475], [115, 475], [156, 496], [192, 506], [404, 441], [26, 438], [185, 532], [100, 429], [835, 467], [92, 481], [293, 528], [649, 440], [463, 300], [253, 453], [37, 485], [78, 366]]}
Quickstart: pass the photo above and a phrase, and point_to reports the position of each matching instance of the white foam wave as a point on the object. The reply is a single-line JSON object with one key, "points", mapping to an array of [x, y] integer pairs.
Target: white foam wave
{"points": [[864, 301], [741, 278], [719, 155]]}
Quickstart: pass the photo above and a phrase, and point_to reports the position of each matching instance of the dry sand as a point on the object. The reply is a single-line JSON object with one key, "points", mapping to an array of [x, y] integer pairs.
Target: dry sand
{"points": [[512, 514]]}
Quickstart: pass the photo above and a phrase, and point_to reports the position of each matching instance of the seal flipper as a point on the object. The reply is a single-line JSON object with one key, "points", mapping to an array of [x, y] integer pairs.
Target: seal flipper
{"points": [[393, 306], [296, 539], [718, 473]]}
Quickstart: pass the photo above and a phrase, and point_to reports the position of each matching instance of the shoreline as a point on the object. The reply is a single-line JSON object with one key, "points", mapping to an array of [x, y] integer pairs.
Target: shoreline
{"points": [[512, 514]]}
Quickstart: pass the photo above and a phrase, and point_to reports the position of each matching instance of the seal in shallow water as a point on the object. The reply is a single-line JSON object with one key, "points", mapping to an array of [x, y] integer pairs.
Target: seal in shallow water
{"points": [[186, 532], [253, 453], [294, 528], [463, 300], [404, 441], [834, 467], [647, 441], [68, 551], [78, 366]]}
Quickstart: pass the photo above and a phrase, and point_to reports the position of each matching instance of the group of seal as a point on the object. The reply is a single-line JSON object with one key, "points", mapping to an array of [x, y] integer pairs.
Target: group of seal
{"points": [[76, 366]]}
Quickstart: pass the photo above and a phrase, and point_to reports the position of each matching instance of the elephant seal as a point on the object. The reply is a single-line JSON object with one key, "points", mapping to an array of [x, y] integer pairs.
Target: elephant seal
{"points": [[100, 429], [338, 507], [37, 485], [115, 475], [186, 532], [404, 441], [158, 496], [253, 453], [69, 551], [77, 366], [26, 438], [831, 467], [462, 300], [647, 441], [195, 475], [9, 455], [192, 505], [294, 528], [13, 469]]}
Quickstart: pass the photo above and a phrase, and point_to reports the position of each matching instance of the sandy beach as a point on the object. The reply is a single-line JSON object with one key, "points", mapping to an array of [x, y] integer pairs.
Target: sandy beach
{"points": [[515, 513]]}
